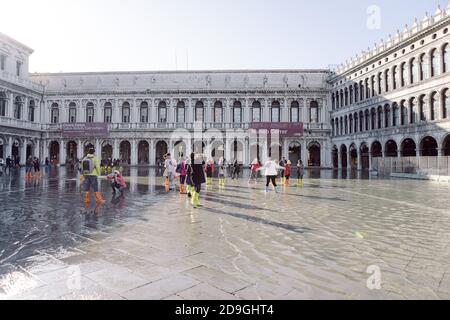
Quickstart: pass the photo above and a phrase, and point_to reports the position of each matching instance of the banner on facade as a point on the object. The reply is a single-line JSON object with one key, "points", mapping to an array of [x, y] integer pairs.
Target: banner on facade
{"points": [[88, 130], [283, 129]]}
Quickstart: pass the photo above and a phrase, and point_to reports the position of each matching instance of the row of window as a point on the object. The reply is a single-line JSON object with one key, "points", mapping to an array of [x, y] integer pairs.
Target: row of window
{"points": [[19, 64], [180, 116], [18, 108], [408, 112], [417, 69]]}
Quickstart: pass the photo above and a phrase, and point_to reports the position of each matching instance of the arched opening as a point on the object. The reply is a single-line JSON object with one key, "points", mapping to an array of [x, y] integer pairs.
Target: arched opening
{"points": [[179, 151], [143, 152], [87, 146], [314, 154], [161, 150], [408, 148], [218, 150], [237, 152], [125, 152], [107, 151], [391, 149], [344, 156], [353, 157], [446, 146], [335, 157], [429, 147], [29, 151], [295, 152], [255, 152], [365, 157], [71, 150], [377, 150], [54, 151]]}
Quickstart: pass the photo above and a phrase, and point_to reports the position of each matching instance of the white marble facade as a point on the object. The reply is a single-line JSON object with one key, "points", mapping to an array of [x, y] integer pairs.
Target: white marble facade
{"points": [[399, 89]]}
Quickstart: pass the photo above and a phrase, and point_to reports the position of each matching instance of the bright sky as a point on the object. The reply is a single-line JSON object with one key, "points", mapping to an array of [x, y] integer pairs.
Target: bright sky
{"points": [[113, 35]]}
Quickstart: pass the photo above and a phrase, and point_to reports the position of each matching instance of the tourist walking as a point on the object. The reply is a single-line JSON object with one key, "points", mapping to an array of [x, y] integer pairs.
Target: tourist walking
{"points": [[271, 172], [300, 172], [170, 167], [189, 185], [236, 170], [117, 182], [181, 170], [221, 172], [287, 172], [282, 163], [209, 169], [90, 169], [198, 178], [254, 166], [37, 167], [29, 168]]}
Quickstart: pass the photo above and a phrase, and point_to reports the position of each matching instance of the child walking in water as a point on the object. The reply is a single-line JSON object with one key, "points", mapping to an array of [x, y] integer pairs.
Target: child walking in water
{"points": [[189, 177], [209, 171], [254, 171], [221, 172], [300, 172], [181, 170], [270, 171], [287, 172], [117, 182]]}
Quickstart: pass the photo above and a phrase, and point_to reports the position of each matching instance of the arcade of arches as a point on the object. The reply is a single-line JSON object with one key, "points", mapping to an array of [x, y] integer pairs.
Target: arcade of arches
{"points": [[360, 157], [151, 152]]}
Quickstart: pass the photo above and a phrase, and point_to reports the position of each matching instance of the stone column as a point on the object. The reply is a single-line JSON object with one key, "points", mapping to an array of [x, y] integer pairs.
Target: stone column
{"points": [[23, 152], [304, 153], [359, 158], [285, 149], [98, 149], [370, 161], [116, 150], [349, 158], [37, 149], [10, 112], [152, 153], [62, 153], [80, 151], [133, 152]]}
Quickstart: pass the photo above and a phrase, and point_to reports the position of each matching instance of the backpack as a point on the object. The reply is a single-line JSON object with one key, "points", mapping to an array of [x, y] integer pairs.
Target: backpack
{"points": [[87, 166]]}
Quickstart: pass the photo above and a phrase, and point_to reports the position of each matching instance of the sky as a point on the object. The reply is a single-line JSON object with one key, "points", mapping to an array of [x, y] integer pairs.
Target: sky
{"points": [[145, 35]]}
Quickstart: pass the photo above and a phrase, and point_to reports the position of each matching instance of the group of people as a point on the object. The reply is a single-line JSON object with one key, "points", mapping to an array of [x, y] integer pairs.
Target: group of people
{"points": [[32, 163]]}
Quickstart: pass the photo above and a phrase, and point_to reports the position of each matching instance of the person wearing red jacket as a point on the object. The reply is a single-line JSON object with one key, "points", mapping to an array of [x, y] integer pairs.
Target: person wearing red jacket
{"points": [[117, 182], [287, 172]]}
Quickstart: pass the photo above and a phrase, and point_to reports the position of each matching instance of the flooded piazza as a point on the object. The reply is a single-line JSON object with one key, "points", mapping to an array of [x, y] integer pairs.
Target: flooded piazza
{"points": [[322, 240]]}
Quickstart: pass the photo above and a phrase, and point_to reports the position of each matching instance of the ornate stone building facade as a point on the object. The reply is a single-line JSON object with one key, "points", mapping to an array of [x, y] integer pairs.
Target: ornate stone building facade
{"points": [[391, 101], [394, 101]]}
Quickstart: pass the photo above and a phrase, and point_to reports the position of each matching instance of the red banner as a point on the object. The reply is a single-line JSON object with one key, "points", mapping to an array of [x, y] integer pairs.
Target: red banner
{"points": [[283, 129], [87, 130]]}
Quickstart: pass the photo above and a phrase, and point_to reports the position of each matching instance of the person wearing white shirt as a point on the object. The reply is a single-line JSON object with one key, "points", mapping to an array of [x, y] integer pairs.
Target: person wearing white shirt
{"points": [[270, 171]]}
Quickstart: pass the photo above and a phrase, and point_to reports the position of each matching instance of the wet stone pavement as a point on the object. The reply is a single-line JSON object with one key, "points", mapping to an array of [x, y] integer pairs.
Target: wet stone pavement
{"points": [[312, 242]]}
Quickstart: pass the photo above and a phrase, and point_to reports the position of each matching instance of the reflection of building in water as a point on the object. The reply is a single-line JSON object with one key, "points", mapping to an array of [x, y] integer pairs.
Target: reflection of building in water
{"points": [[390, 102]]}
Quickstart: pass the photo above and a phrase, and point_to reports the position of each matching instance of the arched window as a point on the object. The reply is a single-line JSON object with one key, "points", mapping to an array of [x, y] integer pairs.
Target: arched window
{"points": [[31, 107], [90, 112], [107, 112], [413, 70], [275, 111], [423, 68], [55, 113], [346, 125], [355, 118], [181, 112], [314, 112], [445, 101], [387, 79], [412, 110], [162, 112], [126, 112], [366, 82], [333, 101], [445, 58], [337, 100], [256, 111], [199, 112], [394, 77], [346, 97], [72, 112], [351, 95], [356, 92], [380, 117], [380, 82], [387, 116], [350, 124], [422, 113], [218, 112], [2, 104], [144, 112], [367, 120], [372, 85], [18, 108], [403, 74], [361, 121], [434, 105], [403, 113], [361, 91], [373, 116], [237, 112], [435, 65], [394, 114], [342, 126], [295, 112], [336, 122], [342, 98]]}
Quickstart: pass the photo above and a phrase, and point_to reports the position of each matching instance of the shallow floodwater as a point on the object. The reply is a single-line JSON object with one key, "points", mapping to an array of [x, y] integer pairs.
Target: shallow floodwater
{"points": [[321, 240]]}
